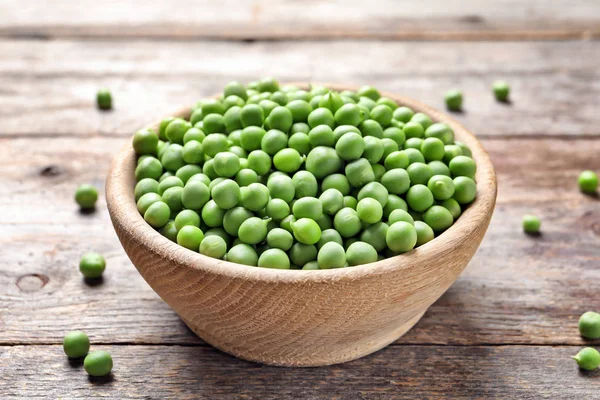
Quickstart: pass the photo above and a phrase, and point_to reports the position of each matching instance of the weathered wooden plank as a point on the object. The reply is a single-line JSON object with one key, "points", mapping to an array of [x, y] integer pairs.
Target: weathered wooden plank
{"points": [[517, 289], [383, 19], [49, 88], [425, 372]]}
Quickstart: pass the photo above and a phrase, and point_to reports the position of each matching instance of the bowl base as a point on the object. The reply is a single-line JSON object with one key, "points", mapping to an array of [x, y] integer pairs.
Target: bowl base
{"points": [[354, 352]]}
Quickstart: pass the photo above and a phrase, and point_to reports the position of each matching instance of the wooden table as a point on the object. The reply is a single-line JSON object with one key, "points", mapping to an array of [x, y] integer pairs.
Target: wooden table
{"points": [[505, 329]]}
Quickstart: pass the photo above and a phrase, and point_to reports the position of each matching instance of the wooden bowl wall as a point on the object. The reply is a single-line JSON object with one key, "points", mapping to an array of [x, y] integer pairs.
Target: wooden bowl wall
{"points": [[301, 318]]}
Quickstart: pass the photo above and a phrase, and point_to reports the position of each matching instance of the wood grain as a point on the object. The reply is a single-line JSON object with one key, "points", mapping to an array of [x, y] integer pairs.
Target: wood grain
{"points": [[277, 19], [48, 89], [399, 372], [517, 289]]}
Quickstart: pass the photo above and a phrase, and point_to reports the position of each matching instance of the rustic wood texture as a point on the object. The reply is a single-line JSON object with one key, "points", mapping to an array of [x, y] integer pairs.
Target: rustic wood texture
{"points": [[276, 19], [48, 88], [400, 372], [241, 311]]}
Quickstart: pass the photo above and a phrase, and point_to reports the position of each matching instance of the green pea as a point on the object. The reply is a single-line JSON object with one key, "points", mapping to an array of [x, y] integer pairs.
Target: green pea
{"points": [[332, 101], [98, 363], [424, 233], [146, 185], [190, 237], [465, 190], [281, 187], [197, 116], [173, 198], [396, 181], [300, 127], [588, 358], [453, 100], [368, 91], [214, 143], [350, 202], [242, 254], [92, 265], [422, 119], [394, 202], [187, 218], [280, 118], [413, 130], [267, 106], [232, 120], [87, 195], [145, 141], [374, 190], [311, 265], [414, 156], [419, 173], [440, 131], [400, 215], [252, 115], [215, 182], [332, 200], [350, 146], [419, 198], [200, 177], [588, 182], [212, 106], [413, 143], [169, 182], [287, 160], [176, 130], [373, 149], [301, 253], [531, 224], [307, 207], [403, 114], [382, 114], [323, 161], [359, 172], [441, 186], [280, 239], [193, 152], [186, 172], [163, 127], [321, 116], [253, 230], [321, 135], [150, 167], [104, 99], [432, 149], [369, 210], [76, 344], [396, 159], [235, 137], [274, 258], [375, 235], [212, 215], [501, 90], [277, 209], [273, 141], [378, 171], [452, 206], [214, 123], [245, 177], [299, 95], [172, 159], [331, 255], [463, 166], [234, 218], [193, 134], [146, 201], [208, 169], [213, 246], [226, 194], [233, 101], [348, 114], [329, 235], [299, 142], [259, 162], [305, 184], [255, 197], [395, 134], [268, 84], [360, 253], [401, 237], [169, 230], [347, 222], [157, 214], [338, 182], [306, 230], [438, 218], [342, 130], [439, 168], [589, 325], [300, 110]]}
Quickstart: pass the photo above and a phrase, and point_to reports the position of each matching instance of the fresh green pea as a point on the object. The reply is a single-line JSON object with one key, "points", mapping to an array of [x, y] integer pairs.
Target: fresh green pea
{"points": [[321, 135], [213, 246], [440, 131], [259, 162], [76, 344], [348, 114], [169, 182], [321, 116], [342, 130], [253, 230], [441, 186], [300, 110], [197, 116], [453, 100], [163, 127], [394, 202], [232, 101], [323, 161], [212, 106], [252, 115], [531, 224], [401, 237], [192, 152], [146, 185], [157, 214], [287, 160], [395, 134], [226, 194], [501, 90], [439, 168], [267, 106], [92, 265], [370, 127], [242, 254], [332, 101], [400, 215], [413, 143], [374, 190], [145, 141], [281, 187], [452, 206], [382, 114], [173, 197], [368, 91], [235, 137], [268, 84], [588, 182], [190, 237], [433, 149], [234, 218], [169, 230], [214, 144], [419, 198], [465, 190], [274, 258], [375, 235], [589, 325], [413, 130], [301, 253], [208, 169], [329, 235], [324, 222], [146, 201], [396, 181], [331, 255], [245, 177], [176, 130], [414, 156], [438, 218], [232, 120], [396, 159], [214, 123], [463, 166], [193, 134], [311, 265], [419, 173], [280, 118], [347, 222], [422, 119], [150, 167], [299, 127], [307, 207], [588, 358], [98, 363], [369, 210], [338, 182], [286, 223], [299, 142], [212, 215], [277, 209], [360, 253], [424, 233], [403, 114], [187, 218], [359, 172], [378, 171], [255, 197], [273, 141], [104, 99], [87, 195], [350, 202], [306, 230], [332, 200], [350, 146], [280, 239]]}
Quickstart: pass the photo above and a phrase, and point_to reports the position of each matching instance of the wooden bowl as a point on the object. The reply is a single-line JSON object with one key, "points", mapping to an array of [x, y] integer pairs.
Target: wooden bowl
{"points": [[301, 318]]}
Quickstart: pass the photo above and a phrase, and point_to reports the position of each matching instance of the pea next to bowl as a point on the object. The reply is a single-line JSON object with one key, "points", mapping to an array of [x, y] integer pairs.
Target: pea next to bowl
{"points": [[281, 177]]}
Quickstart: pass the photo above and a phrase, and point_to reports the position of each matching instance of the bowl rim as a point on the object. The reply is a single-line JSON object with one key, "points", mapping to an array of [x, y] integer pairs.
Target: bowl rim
{"points": [[123, 212]]}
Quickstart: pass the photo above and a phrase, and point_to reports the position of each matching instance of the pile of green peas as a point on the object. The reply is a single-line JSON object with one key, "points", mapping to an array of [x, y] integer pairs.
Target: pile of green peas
{"points": [[280, 177]]}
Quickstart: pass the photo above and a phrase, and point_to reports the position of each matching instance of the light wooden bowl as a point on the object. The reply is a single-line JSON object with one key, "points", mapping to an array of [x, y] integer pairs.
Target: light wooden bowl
{"points": [[301, 318]]}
